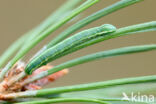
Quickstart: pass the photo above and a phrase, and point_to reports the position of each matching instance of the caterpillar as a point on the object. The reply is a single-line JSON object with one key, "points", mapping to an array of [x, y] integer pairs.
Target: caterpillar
{"points": [[67, 44]]}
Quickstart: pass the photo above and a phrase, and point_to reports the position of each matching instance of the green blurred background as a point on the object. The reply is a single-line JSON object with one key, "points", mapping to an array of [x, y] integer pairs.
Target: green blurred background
{"points": [[19, 16]]}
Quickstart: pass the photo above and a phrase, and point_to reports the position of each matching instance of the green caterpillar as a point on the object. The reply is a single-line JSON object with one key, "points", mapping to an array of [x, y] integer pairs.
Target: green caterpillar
{"points": [[69, 43]]}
